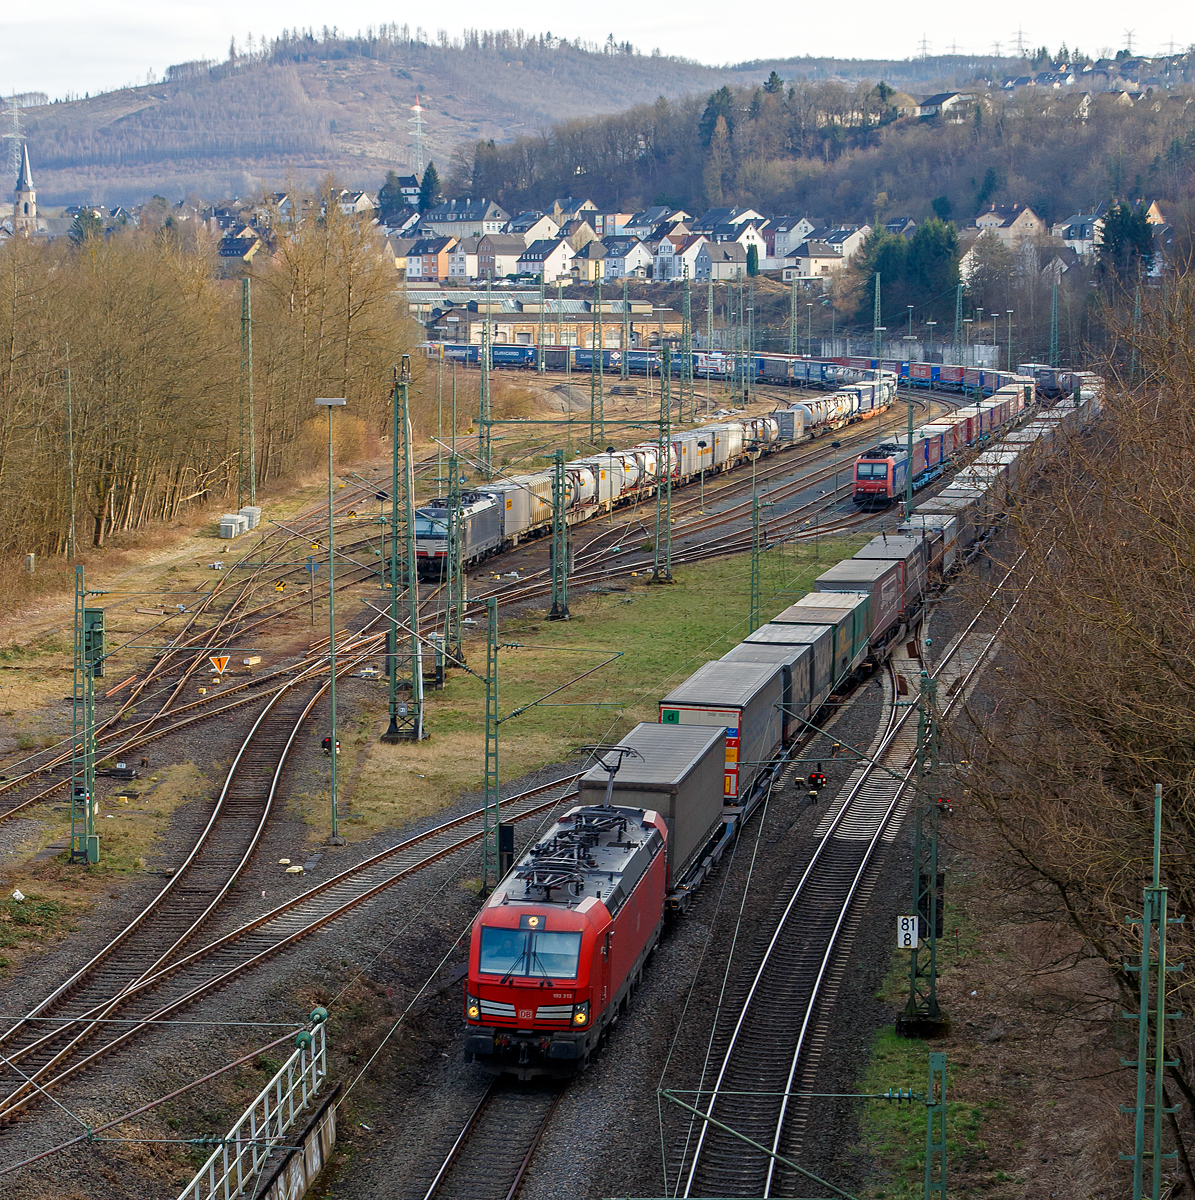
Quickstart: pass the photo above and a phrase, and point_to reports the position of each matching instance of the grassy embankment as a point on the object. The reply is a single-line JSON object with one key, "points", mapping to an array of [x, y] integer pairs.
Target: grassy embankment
{"points": [[661, 635]]}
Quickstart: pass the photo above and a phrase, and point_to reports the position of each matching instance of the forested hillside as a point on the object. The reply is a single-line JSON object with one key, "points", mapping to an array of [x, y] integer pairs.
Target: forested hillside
{"points": [[304, 104], [840, 152]]}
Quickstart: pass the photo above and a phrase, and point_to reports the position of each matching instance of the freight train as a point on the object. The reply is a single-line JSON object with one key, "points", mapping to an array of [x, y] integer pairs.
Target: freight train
{"points": [[560, 945], [497, 516], [784, 370], [882, 473]]}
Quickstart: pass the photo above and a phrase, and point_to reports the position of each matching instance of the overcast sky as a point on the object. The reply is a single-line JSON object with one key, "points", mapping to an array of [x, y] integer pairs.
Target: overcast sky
{"points": [[72, 46]]}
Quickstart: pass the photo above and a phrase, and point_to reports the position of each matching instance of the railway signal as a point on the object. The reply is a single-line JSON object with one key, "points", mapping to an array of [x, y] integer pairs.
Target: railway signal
{"points": [[88, 663]]}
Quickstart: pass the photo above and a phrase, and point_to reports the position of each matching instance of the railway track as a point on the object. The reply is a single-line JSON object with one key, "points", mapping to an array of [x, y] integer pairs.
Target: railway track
{"points": [[143, 995], [491, 1154], [765, 1056]]}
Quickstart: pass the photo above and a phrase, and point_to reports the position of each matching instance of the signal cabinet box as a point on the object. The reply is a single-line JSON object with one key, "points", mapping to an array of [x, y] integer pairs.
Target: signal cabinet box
{"points": [[745, 700], [679, 774]]}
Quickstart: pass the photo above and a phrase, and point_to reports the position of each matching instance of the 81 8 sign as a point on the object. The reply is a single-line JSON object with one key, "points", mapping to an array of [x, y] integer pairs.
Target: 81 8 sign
{"points": [[907, 932]]}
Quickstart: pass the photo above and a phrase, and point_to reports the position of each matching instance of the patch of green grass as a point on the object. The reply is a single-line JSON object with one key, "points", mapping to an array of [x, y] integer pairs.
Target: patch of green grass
{"points": [[30, 920], [653, 637], [893, 1135]]}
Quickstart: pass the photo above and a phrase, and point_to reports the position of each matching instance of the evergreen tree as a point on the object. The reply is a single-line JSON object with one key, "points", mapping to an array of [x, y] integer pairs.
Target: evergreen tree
{"points": [[720, 104], [429, 189], [86, 226], [774, 85], [942, 207], [931, 266], [390, 197], [752, 260], [1126, 243]]}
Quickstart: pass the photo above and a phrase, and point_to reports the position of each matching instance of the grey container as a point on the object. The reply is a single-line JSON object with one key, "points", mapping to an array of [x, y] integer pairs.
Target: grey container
{"points": [[743, 698], [790, 424], [252, 515], [848, 612], [794, 662], [911, 552], [880, 579], [680, 775], [963, 510], [232, 524], [820, 641], [942, 533]]}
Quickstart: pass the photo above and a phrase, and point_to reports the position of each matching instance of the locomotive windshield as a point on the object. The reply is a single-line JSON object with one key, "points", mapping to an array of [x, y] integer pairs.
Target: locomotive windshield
{"points": [[426, 527], [872, 470], [543, 953]]}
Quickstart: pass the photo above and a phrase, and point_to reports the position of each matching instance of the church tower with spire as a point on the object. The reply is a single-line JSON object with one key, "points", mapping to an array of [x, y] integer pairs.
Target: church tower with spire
{"points": [[24, 209]]}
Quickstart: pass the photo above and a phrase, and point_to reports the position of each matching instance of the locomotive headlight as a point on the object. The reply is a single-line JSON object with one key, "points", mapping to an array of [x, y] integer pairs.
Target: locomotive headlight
{"points": [[472, 1008], [581, 1013]]}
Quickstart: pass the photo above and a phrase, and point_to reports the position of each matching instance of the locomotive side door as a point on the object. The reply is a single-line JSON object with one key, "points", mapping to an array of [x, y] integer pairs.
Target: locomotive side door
{"points": [[607, 959]]}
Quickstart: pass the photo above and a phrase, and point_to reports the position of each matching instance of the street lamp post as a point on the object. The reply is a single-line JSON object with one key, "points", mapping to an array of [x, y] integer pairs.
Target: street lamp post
{"points": [[335, 839], [910, 333], [1009, 311], [929, 354], [701, 447], [834, 446], [809, 329]]}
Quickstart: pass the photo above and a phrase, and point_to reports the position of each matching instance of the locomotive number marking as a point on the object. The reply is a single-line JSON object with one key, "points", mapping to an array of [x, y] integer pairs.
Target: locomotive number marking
{"points": [[525, 1014]]}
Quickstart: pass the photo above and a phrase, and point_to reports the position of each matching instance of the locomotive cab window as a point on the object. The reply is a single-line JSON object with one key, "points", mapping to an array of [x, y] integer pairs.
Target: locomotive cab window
{"points": [[551, 954], [426, 527], [873, 471]]}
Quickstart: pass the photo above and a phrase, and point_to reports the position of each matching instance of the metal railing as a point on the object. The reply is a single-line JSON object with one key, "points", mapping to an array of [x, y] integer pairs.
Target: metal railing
{"points": [[242, 1153]]}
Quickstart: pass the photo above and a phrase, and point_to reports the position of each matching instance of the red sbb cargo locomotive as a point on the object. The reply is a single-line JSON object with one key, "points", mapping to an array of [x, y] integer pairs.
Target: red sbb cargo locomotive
{"points": [[561, 942]]}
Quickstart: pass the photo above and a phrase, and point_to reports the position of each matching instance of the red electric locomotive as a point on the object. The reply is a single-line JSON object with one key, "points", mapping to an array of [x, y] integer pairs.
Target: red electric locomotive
{"points": [[563, 939]]}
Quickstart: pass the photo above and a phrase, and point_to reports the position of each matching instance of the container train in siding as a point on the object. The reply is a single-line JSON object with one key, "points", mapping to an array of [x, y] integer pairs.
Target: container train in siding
{"points": [[497, 516], [560, 945], [784, 370]]}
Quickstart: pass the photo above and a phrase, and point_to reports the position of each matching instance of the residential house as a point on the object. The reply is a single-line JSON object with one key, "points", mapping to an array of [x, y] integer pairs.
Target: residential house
{"points": [[464, 217], [1081, 232], [626, 256], [569, 208], [903, 227], [578, 233], [588, 263], [1059, 263], [462, 261], [813, 259], [427, 259], [848, 238], [716, 217], [408, 188], [356, 204], [404, 223], [609, 224], [721, 260], [549, 257], [498, 254], [531, 227], [1012, 224], [643, 224], [745, 234], [952, 106], [397, 248], [676, 256], [784, 234], [242, 242]]}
